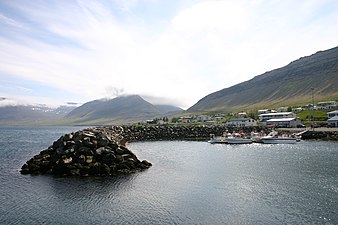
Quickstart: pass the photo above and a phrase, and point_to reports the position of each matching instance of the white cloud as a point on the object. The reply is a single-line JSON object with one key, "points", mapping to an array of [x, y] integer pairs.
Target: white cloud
{"points": [[9, 21], [11, 102], [207, 46]]}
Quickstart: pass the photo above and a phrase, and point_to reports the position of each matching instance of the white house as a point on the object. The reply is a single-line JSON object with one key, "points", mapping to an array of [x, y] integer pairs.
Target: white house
{"points": [[282, 109], [241, 114], [284, 122], [267, 116], [241, 122], [332, 114], [327, 105], [264, 111], [298, 109], [203, 118], [333, 119]]}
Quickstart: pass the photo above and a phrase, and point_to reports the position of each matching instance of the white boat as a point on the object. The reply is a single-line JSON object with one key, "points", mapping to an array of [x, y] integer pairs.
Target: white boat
{"points": [[238, 139], [257, 137], [273, 138], [217, 140]]}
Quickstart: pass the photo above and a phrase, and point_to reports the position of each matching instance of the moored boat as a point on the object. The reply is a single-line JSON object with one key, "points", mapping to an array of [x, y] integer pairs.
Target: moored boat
{"points": [[257, 137], [217, 139], [273, 138], [238, 139]]}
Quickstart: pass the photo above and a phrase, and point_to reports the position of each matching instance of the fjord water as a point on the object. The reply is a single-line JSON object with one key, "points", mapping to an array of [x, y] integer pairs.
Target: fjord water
{"points": [[189, 183]]}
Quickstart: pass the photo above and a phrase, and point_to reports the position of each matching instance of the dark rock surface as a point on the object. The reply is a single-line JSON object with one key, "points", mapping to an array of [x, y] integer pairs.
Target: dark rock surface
{"points": [[90, 152], [320, 135]]}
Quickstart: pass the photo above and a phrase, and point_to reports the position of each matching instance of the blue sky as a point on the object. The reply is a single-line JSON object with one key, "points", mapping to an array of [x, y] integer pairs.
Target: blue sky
{"points": [[169, 51]]}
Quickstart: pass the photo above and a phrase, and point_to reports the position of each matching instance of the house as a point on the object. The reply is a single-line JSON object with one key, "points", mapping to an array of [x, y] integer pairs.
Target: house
{"points": [[299, 109], [241, 122], [203, 118], [264, 111], [284, 122], [185, 119], [242, 114], [332, 114], [282, 109], [333, 119], [327, 105], [267, 116]]}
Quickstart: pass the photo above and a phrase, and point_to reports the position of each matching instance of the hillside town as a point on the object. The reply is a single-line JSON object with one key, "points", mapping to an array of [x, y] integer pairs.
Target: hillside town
{"points": [[282, 117]]}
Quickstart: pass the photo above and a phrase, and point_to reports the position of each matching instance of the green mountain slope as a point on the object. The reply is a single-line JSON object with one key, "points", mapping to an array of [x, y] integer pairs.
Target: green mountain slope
{"points": [[289, 85]]}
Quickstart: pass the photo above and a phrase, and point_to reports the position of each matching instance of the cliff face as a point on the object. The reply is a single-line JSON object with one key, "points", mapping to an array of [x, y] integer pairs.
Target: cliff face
{"points": [[289, 85]]}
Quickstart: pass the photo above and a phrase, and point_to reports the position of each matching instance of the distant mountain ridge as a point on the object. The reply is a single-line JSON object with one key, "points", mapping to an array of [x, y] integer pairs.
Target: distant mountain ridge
{"points": [[31, 114], [123, 109], [289, 85]]}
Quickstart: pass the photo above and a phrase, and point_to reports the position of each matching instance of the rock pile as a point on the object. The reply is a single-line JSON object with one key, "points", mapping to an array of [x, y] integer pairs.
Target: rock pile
{"points": [[91, 152]]}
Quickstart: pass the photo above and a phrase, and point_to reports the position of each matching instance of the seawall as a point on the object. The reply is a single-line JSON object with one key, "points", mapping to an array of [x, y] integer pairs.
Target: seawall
{"points": [[320, 135], [102, 151]]}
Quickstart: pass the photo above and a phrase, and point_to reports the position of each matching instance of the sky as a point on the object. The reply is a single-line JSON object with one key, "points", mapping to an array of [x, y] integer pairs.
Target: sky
{"points": [[168, 51]]}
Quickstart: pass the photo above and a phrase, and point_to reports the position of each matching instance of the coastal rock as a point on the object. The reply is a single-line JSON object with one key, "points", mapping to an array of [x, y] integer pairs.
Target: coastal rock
{"points": [[95, 152], [320, 135]]}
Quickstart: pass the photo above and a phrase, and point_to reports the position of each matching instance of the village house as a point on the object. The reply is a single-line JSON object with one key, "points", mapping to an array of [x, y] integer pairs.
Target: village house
{"points": [[186, 119], [282, 109], [298, 109], [333, 119], [326, 105], [203, 118], [284, 122], [267, 116], [242, 114], [264, 111], [241, 122]]}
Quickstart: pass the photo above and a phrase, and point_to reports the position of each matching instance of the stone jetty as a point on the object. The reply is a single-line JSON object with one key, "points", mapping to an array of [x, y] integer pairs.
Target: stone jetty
{"points": [[102, 151], [320, 135]]}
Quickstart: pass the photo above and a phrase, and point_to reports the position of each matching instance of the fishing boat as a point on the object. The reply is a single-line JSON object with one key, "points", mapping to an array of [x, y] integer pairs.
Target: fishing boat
{"points": [[217, 139], [273, 138], [237, 138], [257, 137]]}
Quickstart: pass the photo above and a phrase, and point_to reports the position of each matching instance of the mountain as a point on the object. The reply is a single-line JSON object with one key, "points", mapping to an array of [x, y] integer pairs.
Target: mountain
{"points": [[31, 114], [123, 109], [289, 85], [168, 109]]}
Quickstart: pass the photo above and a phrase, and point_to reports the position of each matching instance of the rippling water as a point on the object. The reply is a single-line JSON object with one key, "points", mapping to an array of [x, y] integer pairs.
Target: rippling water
{"points": [[189, 183]]}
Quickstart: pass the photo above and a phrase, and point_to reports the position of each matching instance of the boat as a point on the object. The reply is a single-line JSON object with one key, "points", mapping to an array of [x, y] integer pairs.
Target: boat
{"points": [[217, 139], [237, 138], [273, 138], [257, 137]]}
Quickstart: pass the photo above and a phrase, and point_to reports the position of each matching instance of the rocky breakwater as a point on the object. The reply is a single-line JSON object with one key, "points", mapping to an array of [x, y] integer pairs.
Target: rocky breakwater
{"points": [[320, 135], [90, 152], [101, 151]]}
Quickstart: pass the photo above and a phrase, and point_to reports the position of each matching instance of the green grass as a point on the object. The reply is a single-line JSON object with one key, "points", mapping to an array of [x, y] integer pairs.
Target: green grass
{"points": [[307, 114]]}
